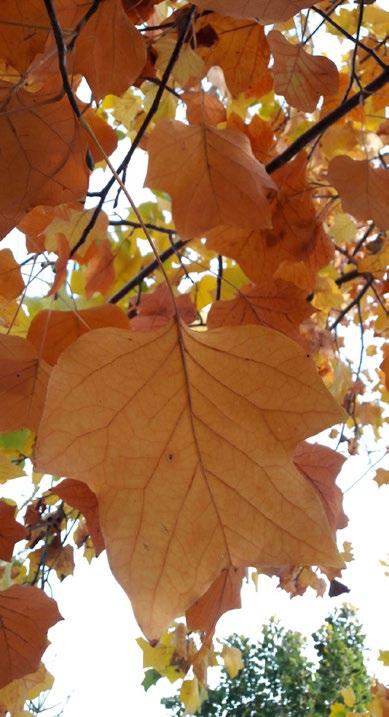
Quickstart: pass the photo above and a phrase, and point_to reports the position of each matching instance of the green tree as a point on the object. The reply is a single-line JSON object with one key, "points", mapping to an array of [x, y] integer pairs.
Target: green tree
{"points": [[280, 680]]}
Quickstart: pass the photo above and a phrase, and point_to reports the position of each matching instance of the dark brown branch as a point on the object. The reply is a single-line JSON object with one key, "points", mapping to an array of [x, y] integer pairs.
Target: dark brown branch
{"points": [[327, 121], [153, 109], [138, 225], [153, 266], [354, 302], [61, 54]]}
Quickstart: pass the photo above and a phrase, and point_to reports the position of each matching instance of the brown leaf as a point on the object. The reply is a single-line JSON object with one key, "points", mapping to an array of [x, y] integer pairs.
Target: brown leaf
{"points": [[211, 175], [300, 77], [26, 614], [109, 52], [156, 309], [79, 496], [10, 531], [363, 189], [11, 282], [240, 49], [23, 384], [266, 11], [222, 596], [43, 154], [100, 272], [162, 451], [321, 465], [56, 556], [52, 331], [22, 31], [203, 108], [275, 304]]}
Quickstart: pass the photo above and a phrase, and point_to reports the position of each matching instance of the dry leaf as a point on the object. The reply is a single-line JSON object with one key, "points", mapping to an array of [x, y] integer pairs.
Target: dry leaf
{"points": [[23, 383], [79, 496], [266, 11], [363, 188], [10, 531], [26, 614], [300, 77], [11, 282], [203, 108], [156, 309], [275, 304], [162, 455], [52, 331], [211, 175], [223, 595]]}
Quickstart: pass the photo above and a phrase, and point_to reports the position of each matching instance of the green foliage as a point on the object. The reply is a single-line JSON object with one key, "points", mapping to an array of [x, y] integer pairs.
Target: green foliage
{"points": [[280, 679]]}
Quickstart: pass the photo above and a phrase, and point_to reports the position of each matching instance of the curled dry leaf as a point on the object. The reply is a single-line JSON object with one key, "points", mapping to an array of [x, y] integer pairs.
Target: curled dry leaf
{"points": [[211, 175], [266, 11], [11, 282], [10, 530], [52, 331], [26, 614], [300, 77], [223, 595], [162, 455], [156, 309], [79, 496], [23, 384], [363, 188], [276, 304], [43, 154]]}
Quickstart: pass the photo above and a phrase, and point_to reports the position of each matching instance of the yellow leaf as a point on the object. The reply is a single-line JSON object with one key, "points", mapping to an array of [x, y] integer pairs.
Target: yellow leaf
{"points": [[232, 658], [190, 696], [384, 657], [9, 469], [16, 693], [348, 695]]}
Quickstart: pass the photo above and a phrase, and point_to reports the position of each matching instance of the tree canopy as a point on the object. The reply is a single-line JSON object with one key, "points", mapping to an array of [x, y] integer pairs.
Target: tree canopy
{"points": [[164, 362]]}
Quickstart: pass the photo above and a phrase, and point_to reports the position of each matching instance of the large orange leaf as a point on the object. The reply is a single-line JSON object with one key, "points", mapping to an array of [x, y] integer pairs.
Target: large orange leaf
{"points": [[110, 52], [186, 438], [223, 595], [300, 77], [26, 614], [10, 530], [240, 49], [22, 31], [11, 282], [79, 496], [52, 331], [211, 175], [43, 154], [266, 11], [276, 304], [363, 188], [23, 383]]}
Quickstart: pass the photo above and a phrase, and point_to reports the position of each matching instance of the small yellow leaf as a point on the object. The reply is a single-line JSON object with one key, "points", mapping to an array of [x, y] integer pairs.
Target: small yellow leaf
{"points": [[232, 660], [190, 696], [382, 477], [348, 696], [384, 657]]}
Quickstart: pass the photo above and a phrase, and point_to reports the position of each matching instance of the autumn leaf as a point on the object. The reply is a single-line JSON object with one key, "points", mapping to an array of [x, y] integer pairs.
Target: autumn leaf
{"points": [[23, 383], [363, 188], [110, 52], [10, 531], [203, 108], [156, 309], [26, 614], [223, 595], [29, 173], [177, 504], [276, 304], [265, 11], [52, 331], [382, 477], [300, 77], [240, 49], [56, 556], [16, 693], [79, 496], [211, 175], [11, 282], [232, 658]]}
